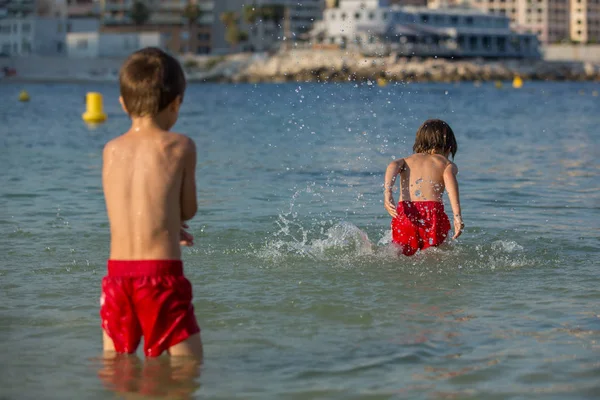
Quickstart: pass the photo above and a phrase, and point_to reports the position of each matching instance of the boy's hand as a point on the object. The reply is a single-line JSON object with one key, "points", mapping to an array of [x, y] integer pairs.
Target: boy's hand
{"points": [[459, 226], [185, 238]]}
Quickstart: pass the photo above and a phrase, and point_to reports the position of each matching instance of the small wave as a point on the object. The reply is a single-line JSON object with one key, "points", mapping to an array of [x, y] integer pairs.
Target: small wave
{"points": [[341, 239], [300, 238], [506, 246], [344, 243]]}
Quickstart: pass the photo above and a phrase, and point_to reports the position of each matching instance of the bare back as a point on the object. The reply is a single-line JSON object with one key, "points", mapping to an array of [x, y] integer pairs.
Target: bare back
{"points": [[422, 177], [144, 180]]}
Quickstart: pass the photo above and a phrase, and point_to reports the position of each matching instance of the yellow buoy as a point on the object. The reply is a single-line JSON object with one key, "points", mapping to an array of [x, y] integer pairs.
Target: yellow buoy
{"points": [[94, 113], [517, 82], [498, 85], [382, 82], [23, 96]]}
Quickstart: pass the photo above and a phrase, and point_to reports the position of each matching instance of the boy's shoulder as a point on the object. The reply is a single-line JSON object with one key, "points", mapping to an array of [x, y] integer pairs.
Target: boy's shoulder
{"points": [[184, 139], [185, 142], [177, 138]]}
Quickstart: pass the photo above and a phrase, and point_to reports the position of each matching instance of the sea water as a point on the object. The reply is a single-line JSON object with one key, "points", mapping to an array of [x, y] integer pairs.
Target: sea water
{"points": [[297, 289]]}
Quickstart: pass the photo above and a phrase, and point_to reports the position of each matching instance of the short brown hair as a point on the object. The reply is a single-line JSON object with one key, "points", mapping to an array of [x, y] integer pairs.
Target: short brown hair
{"points": [[149, 81], [435, 135]]}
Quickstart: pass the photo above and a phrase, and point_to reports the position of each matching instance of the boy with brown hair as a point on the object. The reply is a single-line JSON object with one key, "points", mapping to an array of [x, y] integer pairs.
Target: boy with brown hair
{"points": [[148, 177]]}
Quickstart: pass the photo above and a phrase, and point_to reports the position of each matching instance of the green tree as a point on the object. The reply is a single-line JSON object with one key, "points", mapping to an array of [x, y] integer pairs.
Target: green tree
{"points": [[192, 13], [139, 13], [234, 36], [228, 18], [232, 28], [251, 13]]}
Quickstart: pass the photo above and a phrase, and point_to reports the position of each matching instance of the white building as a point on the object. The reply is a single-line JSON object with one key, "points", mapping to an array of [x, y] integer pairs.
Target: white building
{"points": [[373, 27], [32, 27], [109, 45], [32, 35]]}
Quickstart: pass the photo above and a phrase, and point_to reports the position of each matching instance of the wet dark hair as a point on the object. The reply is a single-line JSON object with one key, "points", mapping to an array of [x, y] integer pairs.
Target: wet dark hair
{"points": [[149, 81], [435, 136]]}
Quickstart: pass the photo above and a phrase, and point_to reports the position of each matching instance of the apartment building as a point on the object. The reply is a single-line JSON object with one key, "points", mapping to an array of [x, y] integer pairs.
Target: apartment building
{"points": [[166, 17], [585, 21], [372, 27], [32, 27], [553, 21], [548, 19], [83, 8]]}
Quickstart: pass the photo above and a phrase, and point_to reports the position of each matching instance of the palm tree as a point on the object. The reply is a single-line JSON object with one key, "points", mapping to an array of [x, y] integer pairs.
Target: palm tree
{"points": [[251, 13], [228, 18], [139, 13], [233, 35], [192, 13], [275, 13]]}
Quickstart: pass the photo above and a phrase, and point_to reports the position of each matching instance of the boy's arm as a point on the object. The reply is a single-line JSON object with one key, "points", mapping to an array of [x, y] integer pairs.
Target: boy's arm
{"points": [[107, 153], [189, 204], [390, 179], [451, 184]]}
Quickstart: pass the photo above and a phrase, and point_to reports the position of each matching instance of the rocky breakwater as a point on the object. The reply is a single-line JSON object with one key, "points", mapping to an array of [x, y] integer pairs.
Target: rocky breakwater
{"points": [[339, 66]]}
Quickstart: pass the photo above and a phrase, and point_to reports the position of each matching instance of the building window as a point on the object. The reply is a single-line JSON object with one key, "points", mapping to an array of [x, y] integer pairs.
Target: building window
{"points": [[343, 16], [424, 18], [385, 15], [5, 29], [469, 20], [357, 16], [501, 44], [6, 47], [454, 20], [371, 15], [487, 42], [473, 43], [332, 15]]}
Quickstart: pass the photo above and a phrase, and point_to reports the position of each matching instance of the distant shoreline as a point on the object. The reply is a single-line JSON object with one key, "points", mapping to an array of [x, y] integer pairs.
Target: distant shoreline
{"points": [[310, 66]]}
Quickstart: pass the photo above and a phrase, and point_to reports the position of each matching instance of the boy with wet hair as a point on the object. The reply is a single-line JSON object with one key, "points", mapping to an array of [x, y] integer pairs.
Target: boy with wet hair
{"points": [[419, 220], [148, 177]]}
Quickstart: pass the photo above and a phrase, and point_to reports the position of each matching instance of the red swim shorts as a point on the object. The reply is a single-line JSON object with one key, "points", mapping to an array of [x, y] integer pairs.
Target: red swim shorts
{"points": [[419, 225], [149, 298]]}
